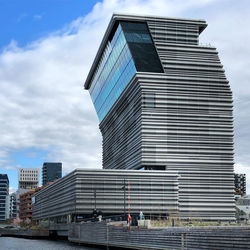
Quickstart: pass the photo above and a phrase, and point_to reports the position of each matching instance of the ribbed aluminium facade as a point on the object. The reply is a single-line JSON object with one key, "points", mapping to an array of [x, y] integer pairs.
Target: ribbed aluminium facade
{"points": [[172, 112], [81, 192]]}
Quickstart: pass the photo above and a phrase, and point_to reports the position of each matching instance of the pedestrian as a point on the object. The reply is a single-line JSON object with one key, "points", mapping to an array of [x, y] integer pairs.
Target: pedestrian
{"points": [[129, 221], [141, 216]]}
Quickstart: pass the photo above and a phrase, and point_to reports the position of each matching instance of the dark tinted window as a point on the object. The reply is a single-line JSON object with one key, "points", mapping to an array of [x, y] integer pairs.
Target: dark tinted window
{"points": [[114, 71], [149, 100], [141, 46]]}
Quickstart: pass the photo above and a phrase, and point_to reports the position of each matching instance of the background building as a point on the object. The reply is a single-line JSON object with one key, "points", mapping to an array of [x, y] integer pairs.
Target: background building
{"points": [[164, 102], [51, 171], [13, 205], [4, 197], [240, 184], [243, 209], [18, 193], [25, 204], [28, 178]]}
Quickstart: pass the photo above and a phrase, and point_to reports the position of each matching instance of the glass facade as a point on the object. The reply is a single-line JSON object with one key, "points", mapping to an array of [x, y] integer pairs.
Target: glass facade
{"points": [[142, 47], [129, 50], [113, 73]]}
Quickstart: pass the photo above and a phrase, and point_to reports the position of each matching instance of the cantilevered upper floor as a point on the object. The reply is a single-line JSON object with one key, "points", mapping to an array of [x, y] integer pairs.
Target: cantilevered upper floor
{"points": [[128, 47]]}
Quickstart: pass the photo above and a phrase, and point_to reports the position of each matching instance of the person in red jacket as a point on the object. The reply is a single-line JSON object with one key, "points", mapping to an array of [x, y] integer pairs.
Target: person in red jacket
{"points": [[129, 221]]}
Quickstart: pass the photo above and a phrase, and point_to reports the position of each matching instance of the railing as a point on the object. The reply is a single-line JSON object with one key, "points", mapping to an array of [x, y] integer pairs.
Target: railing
{"points": [[113, 234]]}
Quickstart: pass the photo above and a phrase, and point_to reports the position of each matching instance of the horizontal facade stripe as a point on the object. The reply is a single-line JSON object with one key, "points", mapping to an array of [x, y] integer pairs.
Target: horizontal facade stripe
{"points": [[151, 192], [180, 120], [191, 106]]}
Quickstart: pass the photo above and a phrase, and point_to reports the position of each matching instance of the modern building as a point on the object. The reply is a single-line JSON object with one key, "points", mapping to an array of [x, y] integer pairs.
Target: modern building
{"points": [[13, 205], [4, 197], [51, 171], [18, 193], [77, 195], [240, 184], [28, 178], [164, 103], [243, 209], [25, 204]]}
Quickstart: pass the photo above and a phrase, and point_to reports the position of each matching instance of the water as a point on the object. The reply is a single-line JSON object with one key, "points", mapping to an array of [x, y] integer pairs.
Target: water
{"points": [[11, 243]]}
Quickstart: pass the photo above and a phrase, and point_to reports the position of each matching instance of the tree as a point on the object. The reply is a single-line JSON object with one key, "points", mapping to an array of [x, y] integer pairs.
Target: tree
{"points": [[27, 221], [17, 221]]}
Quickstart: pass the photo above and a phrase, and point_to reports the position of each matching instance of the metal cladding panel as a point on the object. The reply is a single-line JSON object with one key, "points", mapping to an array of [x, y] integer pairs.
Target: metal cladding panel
{"points": [[153, 192], [174, 32], [57, 199], [117, 236], [187, 125], [121, 131]]}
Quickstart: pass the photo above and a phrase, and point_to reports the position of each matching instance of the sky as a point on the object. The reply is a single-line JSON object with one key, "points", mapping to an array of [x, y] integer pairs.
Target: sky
{"points": [[46, 50]]}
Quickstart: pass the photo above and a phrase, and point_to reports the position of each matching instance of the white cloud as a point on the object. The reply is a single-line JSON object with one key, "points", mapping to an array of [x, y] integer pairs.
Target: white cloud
{"points": [[22, 16], [42, 101], [37, 17]]}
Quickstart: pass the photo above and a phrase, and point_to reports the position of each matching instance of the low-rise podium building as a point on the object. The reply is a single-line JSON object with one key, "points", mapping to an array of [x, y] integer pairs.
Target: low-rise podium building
{"points": [[81, 192]]}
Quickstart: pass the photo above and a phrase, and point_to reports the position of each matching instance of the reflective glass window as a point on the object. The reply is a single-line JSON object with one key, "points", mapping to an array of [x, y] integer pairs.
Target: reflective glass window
{"points": [[141, 46], [130, 49], [113, 73]]}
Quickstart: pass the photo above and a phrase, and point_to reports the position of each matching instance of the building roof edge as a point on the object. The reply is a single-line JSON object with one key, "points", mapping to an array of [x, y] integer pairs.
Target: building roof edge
{"points": [[118, 17]]}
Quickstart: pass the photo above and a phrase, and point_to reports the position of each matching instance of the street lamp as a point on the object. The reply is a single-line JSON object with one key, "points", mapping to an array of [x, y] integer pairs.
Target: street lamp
{"points": [[124, 198], [95, 198]]}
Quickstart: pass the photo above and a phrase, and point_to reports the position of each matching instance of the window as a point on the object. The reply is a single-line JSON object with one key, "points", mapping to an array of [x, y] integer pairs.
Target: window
{"points": [[113, 73], [149, 100], [141, 46]]}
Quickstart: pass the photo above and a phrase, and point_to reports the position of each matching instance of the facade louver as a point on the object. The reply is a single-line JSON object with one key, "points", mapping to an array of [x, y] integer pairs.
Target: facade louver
{"points": [[82, 191], [167, 106]]}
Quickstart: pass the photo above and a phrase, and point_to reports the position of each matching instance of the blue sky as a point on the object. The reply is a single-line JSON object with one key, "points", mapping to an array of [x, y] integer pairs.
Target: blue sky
{"points": [[24, 22], [46, 50], [24, 158], [28, 20]]}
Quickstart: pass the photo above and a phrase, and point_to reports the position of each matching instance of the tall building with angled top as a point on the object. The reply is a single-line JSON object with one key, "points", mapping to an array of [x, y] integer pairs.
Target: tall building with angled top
{"points": [[164, 103]]}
